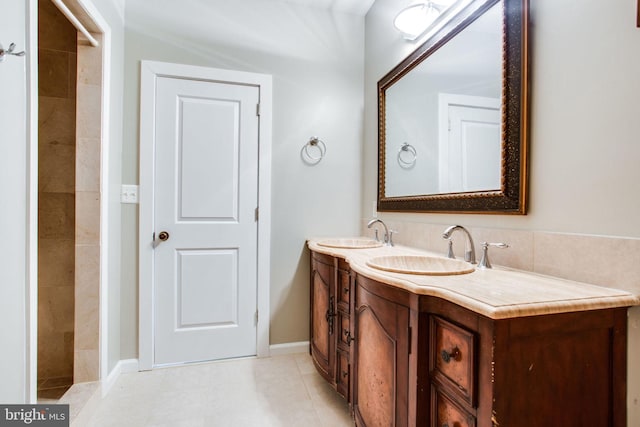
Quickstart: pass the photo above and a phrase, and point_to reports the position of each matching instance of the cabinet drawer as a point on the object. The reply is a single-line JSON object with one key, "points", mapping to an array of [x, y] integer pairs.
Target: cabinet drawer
{"points": [[446, 413], [343, 372], [346, 334], [343, 288], [452, 359]]}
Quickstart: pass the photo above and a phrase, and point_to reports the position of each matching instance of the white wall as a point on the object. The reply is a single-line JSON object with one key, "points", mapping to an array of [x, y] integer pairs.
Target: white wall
{"points": [[15, 191], [316, 58]]}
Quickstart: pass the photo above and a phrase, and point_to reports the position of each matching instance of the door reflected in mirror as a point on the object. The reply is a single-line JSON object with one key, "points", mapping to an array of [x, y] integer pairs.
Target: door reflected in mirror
{"points": [[459, 102]]}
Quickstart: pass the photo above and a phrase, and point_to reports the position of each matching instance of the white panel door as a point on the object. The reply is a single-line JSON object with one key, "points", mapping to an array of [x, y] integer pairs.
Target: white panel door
{"points": [[206, 195], [470, 146]]}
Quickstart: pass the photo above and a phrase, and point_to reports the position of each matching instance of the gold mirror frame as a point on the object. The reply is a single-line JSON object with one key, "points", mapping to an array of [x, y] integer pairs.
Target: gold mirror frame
{"points": [[511, 198]]}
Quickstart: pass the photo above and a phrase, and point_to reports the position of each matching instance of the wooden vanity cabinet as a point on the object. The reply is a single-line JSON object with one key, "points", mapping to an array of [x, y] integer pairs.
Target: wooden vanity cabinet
{"points": [[382, 351], [418, 360], [330, 326]]}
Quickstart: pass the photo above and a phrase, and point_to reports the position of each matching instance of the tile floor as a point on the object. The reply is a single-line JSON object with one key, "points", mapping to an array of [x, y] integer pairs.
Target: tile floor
{"points": [[280, 391]]}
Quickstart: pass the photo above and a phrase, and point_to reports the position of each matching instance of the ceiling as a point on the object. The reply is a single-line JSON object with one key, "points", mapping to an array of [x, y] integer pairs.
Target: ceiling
{"points": [[358, 7]]}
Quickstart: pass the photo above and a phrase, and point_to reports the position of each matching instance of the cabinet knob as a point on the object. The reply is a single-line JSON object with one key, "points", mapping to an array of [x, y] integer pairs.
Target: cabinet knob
{"points": [[348, 336], [453, 354]]}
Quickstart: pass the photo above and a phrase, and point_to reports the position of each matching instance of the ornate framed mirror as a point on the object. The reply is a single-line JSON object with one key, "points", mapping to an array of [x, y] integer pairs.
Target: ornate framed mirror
{"points": [[453, 117]]}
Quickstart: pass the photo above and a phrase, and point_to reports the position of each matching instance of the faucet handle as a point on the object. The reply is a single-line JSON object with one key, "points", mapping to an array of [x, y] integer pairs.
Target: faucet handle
{"points": [[450, 253], [484, 261], [390, 241]]}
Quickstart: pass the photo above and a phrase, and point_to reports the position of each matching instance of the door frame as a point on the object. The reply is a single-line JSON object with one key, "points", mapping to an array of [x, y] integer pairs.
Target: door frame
{"points": [[149, 72], [30, 368]]}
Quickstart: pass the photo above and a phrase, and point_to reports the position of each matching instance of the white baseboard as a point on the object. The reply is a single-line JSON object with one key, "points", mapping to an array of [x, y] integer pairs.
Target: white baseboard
{"points": [[289, 348], [122, 367]]}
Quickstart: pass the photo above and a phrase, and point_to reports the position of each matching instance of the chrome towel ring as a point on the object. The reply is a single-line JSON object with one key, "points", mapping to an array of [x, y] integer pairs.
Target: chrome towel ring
{"points": [[407, 156], [313, 151], [10, 51]]}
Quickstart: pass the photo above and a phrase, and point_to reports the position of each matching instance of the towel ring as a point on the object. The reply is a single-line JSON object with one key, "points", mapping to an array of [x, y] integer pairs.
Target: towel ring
{"points": [[316, 145], [407, 156], [10, 51]]}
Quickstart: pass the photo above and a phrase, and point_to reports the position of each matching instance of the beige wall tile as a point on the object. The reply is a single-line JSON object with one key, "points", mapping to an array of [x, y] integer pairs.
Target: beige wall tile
{"points": [[85, 366], [73, 75], [56, 262], [56, 120], [88, 164], [605, 261], [87, 217], [54, 30], [89, 65], [56, 168], [55, 309], [87, 293], [88, 118], [52, 356], [56, 216], [53, 73]]}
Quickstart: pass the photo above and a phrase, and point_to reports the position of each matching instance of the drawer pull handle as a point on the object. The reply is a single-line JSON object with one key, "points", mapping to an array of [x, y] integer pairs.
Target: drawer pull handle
{"points": [[348, 336], [346, 290], [345, 374], [453, 354]]}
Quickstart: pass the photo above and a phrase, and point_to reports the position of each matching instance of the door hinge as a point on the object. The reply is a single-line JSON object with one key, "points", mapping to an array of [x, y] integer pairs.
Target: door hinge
{"points": [[258, 110], [257, 213], [410, 340], [256, 317]]}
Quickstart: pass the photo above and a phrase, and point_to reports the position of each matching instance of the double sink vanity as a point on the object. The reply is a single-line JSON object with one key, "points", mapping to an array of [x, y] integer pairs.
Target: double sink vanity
{"points": [[412, 338]]}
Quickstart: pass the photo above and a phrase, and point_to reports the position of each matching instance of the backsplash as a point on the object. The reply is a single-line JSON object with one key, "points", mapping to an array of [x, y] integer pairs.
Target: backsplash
{"points": [[605, 261]]}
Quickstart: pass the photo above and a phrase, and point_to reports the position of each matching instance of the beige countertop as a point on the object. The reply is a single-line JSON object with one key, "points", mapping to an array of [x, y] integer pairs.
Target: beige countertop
{"points": [[497, 293]]}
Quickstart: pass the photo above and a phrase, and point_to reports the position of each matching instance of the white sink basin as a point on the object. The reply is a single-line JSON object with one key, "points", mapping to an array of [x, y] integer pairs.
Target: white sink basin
{"points": [[350, 243], [420, 264]]}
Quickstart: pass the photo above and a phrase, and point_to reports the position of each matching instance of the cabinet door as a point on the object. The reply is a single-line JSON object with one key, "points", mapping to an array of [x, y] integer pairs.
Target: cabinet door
{"points": [[323, 317], [381, 368]]}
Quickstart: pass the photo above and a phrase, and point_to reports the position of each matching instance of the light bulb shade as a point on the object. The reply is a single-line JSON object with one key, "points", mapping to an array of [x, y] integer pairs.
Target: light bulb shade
{"points": [[414, 20]]}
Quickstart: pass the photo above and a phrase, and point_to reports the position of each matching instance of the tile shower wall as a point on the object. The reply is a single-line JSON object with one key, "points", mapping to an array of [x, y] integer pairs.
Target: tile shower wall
{"points": [[56, 193], [87, 232]]}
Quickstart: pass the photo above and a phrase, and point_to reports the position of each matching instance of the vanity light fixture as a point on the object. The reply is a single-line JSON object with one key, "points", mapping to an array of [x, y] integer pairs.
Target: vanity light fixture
{"points": [[414, 20]]}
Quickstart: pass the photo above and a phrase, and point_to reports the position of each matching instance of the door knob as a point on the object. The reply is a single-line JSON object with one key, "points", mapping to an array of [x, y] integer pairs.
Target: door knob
{"points": [[164, 236]]}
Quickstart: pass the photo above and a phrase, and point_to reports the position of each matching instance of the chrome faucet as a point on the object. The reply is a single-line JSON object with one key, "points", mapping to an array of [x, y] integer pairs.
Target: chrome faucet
{"points": [[388, 235], [469, 248]]}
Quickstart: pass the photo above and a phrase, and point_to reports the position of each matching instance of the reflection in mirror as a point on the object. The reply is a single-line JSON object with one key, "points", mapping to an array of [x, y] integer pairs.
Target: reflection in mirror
{"points": [[448, 109], [460, 102]]}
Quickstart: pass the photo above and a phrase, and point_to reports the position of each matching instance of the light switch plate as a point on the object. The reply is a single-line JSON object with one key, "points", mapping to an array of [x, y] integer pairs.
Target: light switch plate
{"points": [[129, 194]]}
